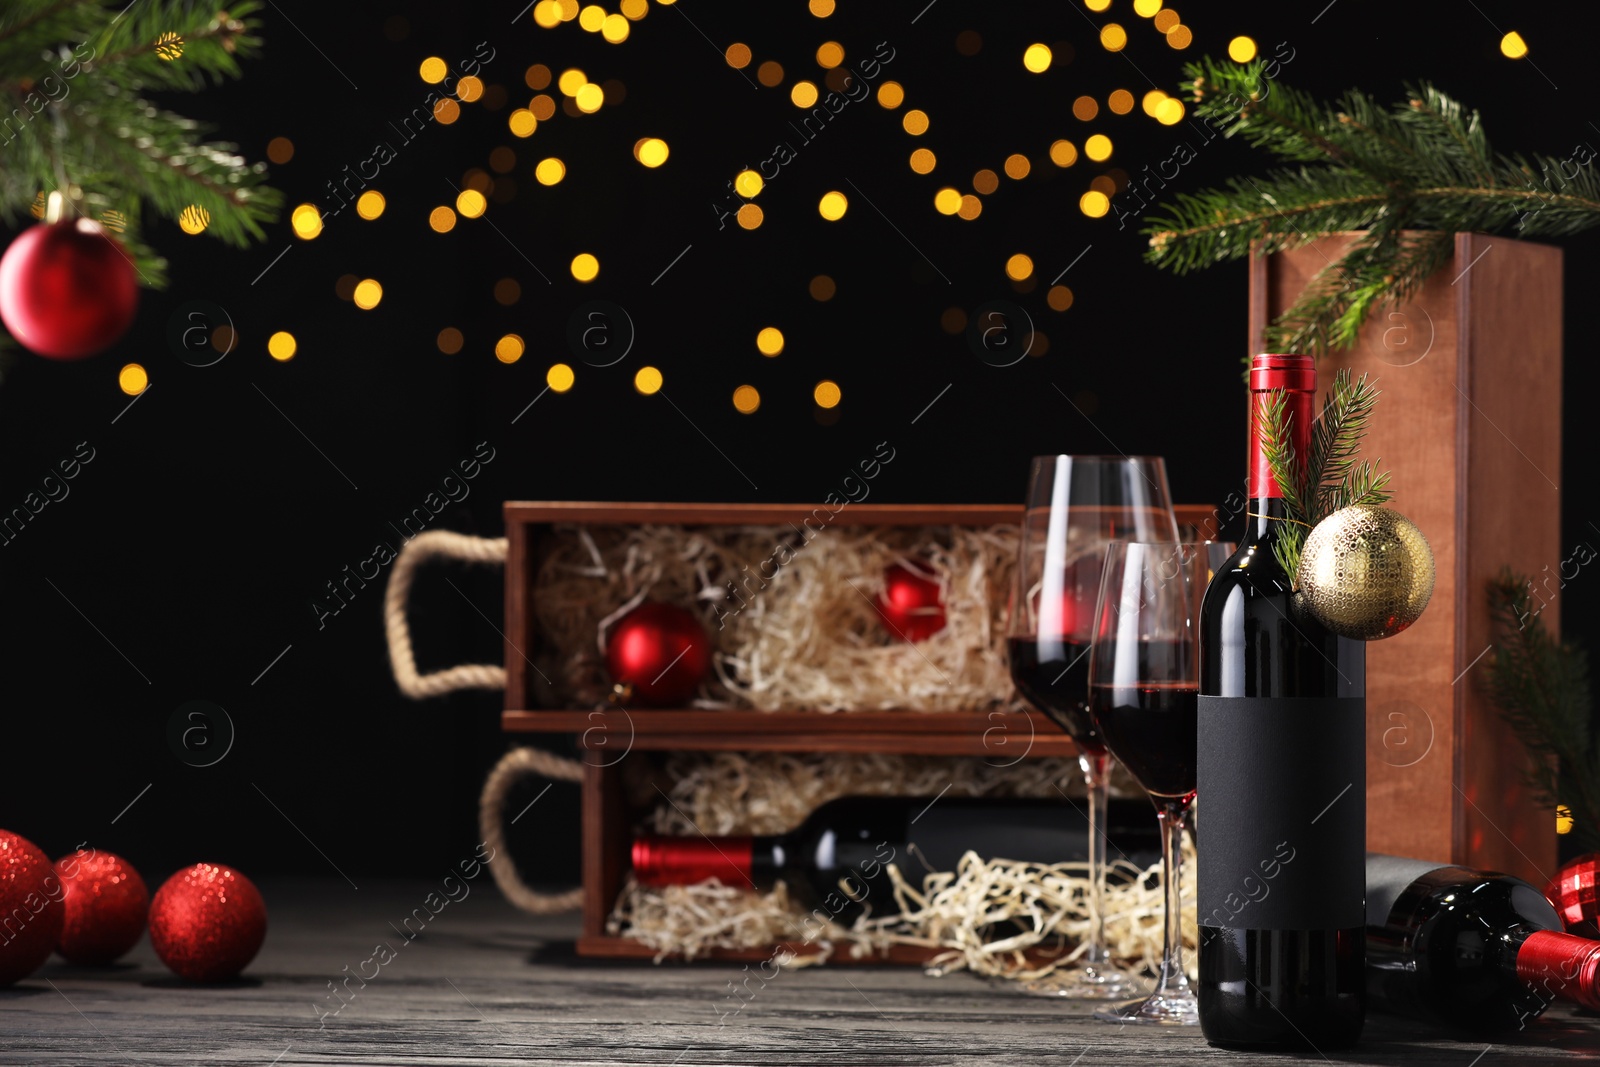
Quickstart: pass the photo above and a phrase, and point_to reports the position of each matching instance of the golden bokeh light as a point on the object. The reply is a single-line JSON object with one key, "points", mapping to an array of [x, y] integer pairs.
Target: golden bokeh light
{"points": [[652, 152], [1113, 38], [827, 394], [1059, 298], [194, 219], [571, 80], [947, 201], [280, 150], [547, 14], [1151, 101], [803, 94], [559, 377], [542, 107], [615, 29], [986, 181], [971, 207], [1170, 111], [770, 73], [470, 203], [830, 54], [1512, 46], [1098, 147], [890, 95], [750, 216], [1036, 58], [568, 9], [441, 219], [537, 77], [1120, 102], [282, 346], [923, 161], [1105, 184], [1085, 108], [1017, 166], [132, 379], [306, 221], [589, 98], [1096, 5], [370, 204], [748, 183], [592, 17], [769, 342], [450, 340], [822, 288], [1166, 19], [1019, 266], [550, 171], [738, 55], [1563, 819], [1242, 49], [509, 348], [585, 267], [821, 8], [1063, 153], [446, 111], [1094, 203], [433, 70], [635, 9], [368, 294], [1146, 8], [647, 381], [915, 122], [746, 400], [469, 89], [1180, 37], [833, 205]]}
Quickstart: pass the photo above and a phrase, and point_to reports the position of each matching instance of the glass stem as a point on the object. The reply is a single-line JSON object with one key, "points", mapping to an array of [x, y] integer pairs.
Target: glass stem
{"points": [[1094, 774], [1172, 978]]}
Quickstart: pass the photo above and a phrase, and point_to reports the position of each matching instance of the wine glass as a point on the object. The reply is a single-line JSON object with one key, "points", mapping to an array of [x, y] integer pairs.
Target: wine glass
{"points": [[1076, 505], [1144, 686]]}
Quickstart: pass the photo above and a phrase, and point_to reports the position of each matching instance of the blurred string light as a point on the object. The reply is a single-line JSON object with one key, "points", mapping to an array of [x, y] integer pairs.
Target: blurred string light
{"points": [[1113, 38], [1097, 147], [1094, 203], [585, 267], [923, 161], [194, 219], [1017, 166], [1036, 58], [821, 8], [769, 342], [470, 203], [748, 184], [891, 95], [830, 54], [746, 399], [306, 221], [280, 150], [450, 340], [750, 216], [986, 182], [559, 377], [770, 74], [647, 381], [589, 98], [522, 122], [132, 379], [915, 122], [571, 81], [833, 205], [433, 70], [1059, 298], [1019, 267], [1242, 49], [509, 349], [281, 346], [370, 204], [1146, 8], [827, 394], [738, 55], [441, 220], [550, 171], [1512, 46], [368, 294], [469, 89], [803, 94], [1120, 102], [651, 151], [1063, 153], [822, 288], [947, 201]]}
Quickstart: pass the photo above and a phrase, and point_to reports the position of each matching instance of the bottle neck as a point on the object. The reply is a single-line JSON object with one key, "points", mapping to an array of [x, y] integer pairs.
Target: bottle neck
{"points": [[1556, 964], [739, 862], [1268, 509]]}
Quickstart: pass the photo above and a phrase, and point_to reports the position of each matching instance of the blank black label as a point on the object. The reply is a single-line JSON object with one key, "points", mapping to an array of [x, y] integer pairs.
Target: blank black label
{"points": [[1283, 812]]}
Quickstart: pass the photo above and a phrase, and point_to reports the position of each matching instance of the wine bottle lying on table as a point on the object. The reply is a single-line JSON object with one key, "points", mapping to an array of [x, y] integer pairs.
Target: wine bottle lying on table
{"points": [[850, 840], [1474, 949]]}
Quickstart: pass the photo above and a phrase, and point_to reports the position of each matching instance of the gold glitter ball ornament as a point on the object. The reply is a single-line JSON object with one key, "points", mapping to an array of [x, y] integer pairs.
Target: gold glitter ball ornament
{"points": [[1365, 573]]}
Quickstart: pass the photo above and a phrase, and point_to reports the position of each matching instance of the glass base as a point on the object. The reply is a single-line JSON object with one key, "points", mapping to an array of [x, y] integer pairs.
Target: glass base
{"points": [[1160, 1009], [1093, 982]]}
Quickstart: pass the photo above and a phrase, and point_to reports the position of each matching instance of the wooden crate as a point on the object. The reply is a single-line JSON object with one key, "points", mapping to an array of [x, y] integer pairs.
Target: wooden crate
{"points": [[607, 820], [1470, 424]]}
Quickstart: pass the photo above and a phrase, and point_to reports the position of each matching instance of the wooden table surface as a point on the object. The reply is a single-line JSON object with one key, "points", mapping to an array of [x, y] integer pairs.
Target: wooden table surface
{"points": [[485, 984]]}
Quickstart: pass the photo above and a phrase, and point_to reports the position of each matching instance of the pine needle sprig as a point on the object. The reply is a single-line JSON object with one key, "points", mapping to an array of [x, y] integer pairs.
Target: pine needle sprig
{"points": [[1541, 687], [1332, 477], [1404, 177]]}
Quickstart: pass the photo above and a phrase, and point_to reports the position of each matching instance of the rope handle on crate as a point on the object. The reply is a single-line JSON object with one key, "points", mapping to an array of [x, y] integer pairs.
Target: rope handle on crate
{"points": [[522, 762]]}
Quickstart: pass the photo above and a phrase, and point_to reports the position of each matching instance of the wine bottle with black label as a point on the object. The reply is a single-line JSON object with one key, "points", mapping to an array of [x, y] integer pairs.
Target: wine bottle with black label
{"points": [[1281, 780], [1478, 950], [838, 855]]}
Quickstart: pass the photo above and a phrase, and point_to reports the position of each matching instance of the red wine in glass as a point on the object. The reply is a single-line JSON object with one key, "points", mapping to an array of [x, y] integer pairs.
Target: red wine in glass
{"points": [[1053, 676], [1153, 729]]}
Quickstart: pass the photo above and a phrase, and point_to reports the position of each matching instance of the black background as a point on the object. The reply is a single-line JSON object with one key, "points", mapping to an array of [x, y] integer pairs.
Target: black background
{"points": [[189, 552]]}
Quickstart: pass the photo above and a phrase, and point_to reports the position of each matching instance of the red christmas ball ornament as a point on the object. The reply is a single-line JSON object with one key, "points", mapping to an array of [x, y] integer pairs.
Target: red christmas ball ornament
{"points": [[67, 289], [1575, 894], [911, 602], [207, 922], [105, 902], [30, 905], [661, 652]]}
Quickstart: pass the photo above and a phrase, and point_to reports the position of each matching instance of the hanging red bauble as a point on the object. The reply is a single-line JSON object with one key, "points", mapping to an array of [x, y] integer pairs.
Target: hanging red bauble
{"points": [[660, 652], [30, 904], [207, 922], [67, 289], [912, 602], [1574, 893], [106, 903]]}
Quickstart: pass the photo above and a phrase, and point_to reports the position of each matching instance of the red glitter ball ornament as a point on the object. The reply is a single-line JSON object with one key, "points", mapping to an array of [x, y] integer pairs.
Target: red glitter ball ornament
{"points": [[661, 652], [207, 922], [30, 904], [912, 602], [1573, 891], [105, 902], [67, 289]]}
